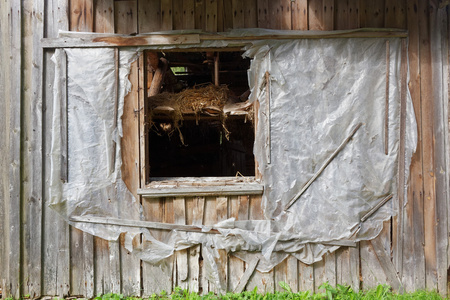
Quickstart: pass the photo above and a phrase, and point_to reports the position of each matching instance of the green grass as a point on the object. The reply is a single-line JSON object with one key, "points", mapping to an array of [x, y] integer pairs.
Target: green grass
{"points": [[327, 292]]}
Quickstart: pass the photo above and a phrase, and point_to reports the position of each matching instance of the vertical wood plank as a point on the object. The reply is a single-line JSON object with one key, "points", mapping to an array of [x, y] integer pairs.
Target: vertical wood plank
{"points": [[181, 256], [341, 14], [33, 187], [319, 275], [227, 14], [372, 14], [149, 16], [328, 14], [347, 269], [413, 259], [265, 282], [81, 263], [13, 199], [354, 12], [263, 13], [131, 278], [189, 14], [315, 15], [428, 147], [222, 214], [211, 15], [250, 14], [166, 15], [125, 15], [280, 273], [292, 273], [371, 272], [300, 15], [197, 206], [236, 267], [210, 218], [395, 14], [439, 52], [104, 16], [238, 14], [81, 15], [178, 14], [306, 277], [275, 15]]}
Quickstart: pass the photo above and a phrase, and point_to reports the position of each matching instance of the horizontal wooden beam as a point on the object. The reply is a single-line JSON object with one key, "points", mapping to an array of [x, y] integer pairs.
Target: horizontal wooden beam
{"points": [[201, 191], [235, 40]]}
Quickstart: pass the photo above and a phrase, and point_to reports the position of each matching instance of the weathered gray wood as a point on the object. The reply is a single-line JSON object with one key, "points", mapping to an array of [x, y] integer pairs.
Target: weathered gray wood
{"points": [[130, 269], [387, 265], [246, 276], [347, 271], [292, 273], [319, 275], [238, 209], [372, 273], [222, 261], [105, 40], [210, 218], [32, 190], [13, 200], [202, 191], [82, 263], [4, 140], [280, 274], [306, 277], [439, 56], [182, 268], [197, 207]]}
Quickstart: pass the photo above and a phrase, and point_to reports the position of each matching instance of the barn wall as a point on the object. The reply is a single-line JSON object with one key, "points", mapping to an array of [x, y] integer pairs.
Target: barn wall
{"points": [[41, 255]]}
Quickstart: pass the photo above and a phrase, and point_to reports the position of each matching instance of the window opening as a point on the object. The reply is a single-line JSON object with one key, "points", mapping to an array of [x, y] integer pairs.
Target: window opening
{"points": [[200, 120]]}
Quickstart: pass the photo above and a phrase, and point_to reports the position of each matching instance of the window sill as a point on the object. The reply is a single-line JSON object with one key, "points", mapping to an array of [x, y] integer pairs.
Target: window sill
{"points": [[201, 186]]}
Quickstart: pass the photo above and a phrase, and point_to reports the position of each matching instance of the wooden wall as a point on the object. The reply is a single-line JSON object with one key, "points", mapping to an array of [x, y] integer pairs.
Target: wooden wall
{"points": [[41, 255]]}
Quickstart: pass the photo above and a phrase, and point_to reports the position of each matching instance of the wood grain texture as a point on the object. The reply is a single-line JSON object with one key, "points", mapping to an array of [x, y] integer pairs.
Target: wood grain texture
{"points": [[197, 207], [251, 14], [315, 15], [189, 14], [341, 14], [386, 265], [238, 209], [104, 16], [347, 267], [372, 273], [166, 15], [306, 277], [32, 157], [414, 265], [125, 17], [263, 13], [439, 57], [328, 14], [428, 147], [211, 15], [182, 262], [222, 214], [372, 14], [149, 16], [81, 263], [265, 282], [395, 14], [299, 10], [81, 16], [238, 14]]}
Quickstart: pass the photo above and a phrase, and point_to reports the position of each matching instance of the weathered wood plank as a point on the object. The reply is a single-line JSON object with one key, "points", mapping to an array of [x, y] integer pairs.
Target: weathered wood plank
{"points": [[227, 14], [292, 274], [428, 147], [125, 14], [306, 277], [386, 264], [166, 15], [104, 16], [354, 14], [210, 218], [189, 14], [238, 209], [341, 14], [280, 273], [347, 267], [315, 15], [32, 170], [263, 13], [178, 14], [372, 14], [13, 200], [328, 14], [211, 15], [371, 272], [250, 14], [300, 15], [81, 263], [413, 253], [222, 214], [182, 267], [231, 190], [395, 14], [238, 14], [265, 282], [81, 16], [439, 57], [246, 276], [319, 275], [149, 16], [196, 206]]}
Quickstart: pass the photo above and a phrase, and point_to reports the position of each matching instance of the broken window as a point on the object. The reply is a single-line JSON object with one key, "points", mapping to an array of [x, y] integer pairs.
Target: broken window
{"points": [[200, 122]]}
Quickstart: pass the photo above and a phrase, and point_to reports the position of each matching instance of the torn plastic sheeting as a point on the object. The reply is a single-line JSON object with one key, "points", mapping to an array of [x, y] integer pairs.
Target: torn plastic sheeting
{"points": [[319, 90]]}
